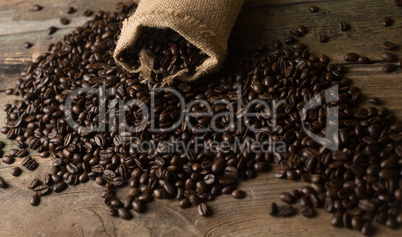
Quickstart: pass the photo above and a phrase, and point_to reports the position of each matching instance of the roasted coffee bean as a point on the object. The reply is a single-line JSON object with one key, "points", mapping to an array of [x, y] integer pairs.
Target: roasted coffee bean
{"points": [[110, 210], [16, 171], [386, 22], [389, 67], [389, 46], [374, 100], [368, 229], [343, 26], [336, 219], [52, 30], [313, 8], [308, 212], [41, 190], [3, 183], [35, 200], [34, 183], [184, 203], [60, 187], [70, 10], [289, 40], [64, 21], [286, 211], [138, 206], [302, 29], [273, 209], [351, 57], [202, 209], [124, 213], [238, 194], [21, 153], [7, 159], [287, 198], [88, 13], [322, 38], [357, 222], [37, 7], [28, 45], [387, 56], [399, 64], [363, 60]]}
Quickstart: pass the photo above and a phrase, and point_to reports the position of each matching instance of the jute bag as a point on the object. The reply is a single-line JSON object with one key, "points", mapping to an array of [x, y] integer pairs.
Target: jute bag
{"points": [[204, 23]]}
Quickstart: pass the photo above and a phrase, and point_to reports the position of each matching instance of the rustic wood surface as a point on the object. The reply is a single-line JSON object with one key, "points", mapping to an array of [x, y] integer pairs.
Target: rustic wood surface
{"points": [[80, 211]]}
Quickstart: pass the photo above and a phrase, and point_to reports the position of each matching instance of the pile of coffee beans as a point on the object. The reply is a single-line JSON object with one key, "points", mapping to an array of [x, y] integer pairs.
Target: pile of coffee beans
{"points": [[169, 53], [360, 182]]}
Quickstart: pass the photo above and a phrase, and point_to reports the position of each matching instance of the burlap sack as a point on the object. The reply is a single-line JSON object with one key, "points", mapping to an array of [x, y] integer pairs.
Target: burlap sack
{"points": [[204, 23]]}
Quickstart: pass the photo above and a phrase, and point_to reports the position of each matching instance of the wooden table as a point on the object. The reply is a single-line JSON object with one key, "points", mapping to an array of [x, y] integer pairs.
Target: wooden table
{"points": [[80, 211]]}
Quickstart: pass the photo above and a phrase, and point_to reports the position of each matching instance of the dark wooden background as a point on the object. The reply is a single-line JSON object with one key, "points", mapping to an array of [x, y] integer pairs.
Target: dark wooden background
{"points": [[80, 211]]}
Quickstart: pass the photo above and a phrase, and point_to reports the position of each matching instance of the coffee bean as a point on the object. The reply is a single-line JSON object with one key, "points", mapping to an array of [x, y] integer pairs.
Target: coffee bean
{"points": [[110, 210], [16, 171], [399, 64], [184, 203], [389, 46], [363, 60], [287, 198], [88, 13], [37, 7], [7, 159], [35, 200], [70, 10], [64, 21], [138, 206], [313, 8], [343, 26], [28, 45], [322, 38], [351, 57], [41, 190], [357, 222], [387, 56], [368, 229], [302, 29], [52, 30], [289, 40], [389, 67], [336, 219], [286, 211], [374, 100], [386, 22], [202, 209], [273, 209], [238, 194], [3, 183], [60, 187], [34, 183], [124, 213], [308, 212]]}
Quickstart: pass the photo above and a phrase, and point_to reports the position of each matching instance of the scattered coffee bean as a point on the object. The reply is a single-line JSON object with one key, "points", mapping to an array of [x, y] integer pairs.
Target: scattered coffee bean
{"points": [[308, 212], [389, 46], [238, 194], [88, 13], [343, 26], [70, 10], [289, 40], [386, 22], [374, 100], [34, 183], [37, 7], [3, 183], [64, 21], [287, 198], [52, 30], [313, 8], [28, 45], [35, 200], [368, 229], [399, 64], [7, 159], [389, 67], [124, 213], [202, 209], [286, 211], [363, 60], [16, 171], [302, 29], [41, 189], [322, 38], [387, 56], [351, 57], [273, 209]]}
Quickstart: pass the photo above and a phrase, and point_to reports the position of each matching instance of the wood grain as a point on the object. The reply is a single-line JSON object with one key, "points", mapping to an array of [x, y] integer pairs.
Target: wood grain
{"points": [[80, 211]]}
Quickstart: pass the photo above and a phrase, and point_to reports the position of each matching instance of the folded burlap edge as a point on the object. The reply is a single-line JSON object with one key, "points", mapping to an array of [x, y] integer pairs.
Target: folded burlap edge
{"points": [[188, 27]]}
